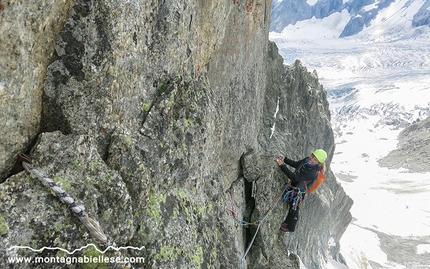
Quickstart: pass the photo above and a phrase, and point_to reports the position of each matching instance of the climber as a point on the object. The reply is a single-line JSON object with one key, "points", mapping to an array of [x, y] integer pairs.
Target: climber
{"points": [[304, 176]]}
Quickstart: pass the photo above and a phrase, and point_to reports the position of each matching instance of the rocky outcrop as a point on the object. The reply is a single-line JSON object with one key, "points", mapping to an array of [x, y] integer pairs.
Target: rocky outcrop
{"points": [[325, 214], [422, 17], [156, 116], [413, 146], [285, 13]]}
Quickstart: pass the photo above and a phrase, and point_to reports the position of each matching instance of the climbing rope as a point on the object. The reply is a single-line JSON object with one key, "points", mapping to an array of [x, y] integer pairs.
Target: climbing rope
{"points": [[233, 210], [233, 206], [79, 210], [260, 222]]}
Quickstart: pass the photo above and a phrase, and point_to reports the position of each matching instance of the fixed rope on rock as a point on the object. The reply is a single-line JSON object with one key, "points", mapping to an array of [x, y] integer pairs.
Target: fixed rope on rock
{"points": [[258, 222], [79, 210]]}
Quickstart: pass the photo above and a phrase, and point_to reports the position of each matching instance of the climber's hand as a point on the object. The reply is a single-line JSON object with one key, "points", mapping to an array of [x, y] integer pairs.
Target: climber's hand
{"points": [[279, 161]]}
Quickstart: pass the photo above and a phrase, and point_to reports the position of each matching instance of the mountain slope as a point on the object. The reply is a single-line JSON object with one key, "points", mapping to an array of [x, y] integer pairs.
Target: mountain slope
{"points": [[381, 16], [413, 146]]}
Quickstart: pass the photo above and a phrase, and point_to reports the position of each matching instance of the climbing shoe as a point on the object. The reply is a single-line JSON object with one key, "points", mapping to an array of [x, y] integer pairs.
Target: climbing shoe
{"points": [[284, 227]]}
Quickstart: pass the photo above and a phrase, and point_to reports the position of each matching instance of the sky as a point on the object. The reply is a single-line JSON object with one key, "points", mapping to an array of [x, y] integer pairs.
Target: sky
{"points": [[388, 68]]}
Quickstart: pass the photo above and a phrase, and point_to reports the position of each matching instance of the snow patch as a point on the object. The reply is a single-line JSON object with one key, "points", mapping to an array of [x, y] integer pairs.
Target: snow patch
{"points": [[311, 2], [274, 116], [423, 248], [326, 28], [370, 7], [360, 246], [393, 21], [277, 109]]}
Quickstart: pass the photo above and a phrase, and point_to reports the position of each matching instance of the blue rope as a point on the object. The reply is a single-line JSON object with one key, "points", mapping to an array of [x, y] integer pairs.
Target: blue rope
{"points": [[258, 227]]}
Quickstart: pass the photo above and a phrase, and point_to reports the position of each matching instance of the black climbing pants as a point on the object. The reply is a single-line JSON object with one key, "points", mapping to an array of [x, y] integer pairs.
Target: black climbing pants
{"points": [[292, 218]]}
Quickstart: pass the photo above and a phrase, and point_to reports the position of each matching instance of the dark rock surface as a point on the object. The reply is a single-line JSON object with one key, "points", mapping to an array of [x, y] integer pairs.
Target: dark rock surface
{"points": [[412, 149]]}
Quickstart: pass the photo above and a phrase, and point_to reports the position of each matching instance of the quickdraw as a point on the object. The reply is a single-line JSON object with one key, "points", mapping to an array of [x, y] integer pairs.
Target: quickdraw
{"points": [[294, 196]]}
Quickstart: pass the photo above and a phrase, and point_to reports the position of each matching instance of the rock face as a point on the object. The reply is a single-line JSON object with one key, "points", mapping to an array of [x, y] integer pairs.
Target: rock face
{"points": [[362, 16], [156, 116], [29, 30], [423, 16], [413, 146]]}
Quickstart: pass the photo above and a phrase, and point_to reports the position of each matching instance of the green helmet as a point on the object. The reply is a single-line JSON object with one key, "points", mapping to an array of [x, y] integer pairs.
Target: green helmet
{"points": [[320, 154]]}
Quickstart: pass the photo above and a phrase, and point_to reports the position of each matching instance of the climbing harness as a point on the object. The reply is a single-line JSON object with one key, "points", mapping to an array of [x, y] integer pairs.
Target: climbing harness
{"points": [[258, 223], [294, 196], [79, 210]]}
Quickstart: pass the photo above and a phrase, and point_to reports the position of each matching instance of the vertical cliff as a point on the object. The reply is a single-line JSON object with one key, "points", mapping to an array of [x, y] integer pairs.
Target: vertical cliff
{"points": [[155, 115]]}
